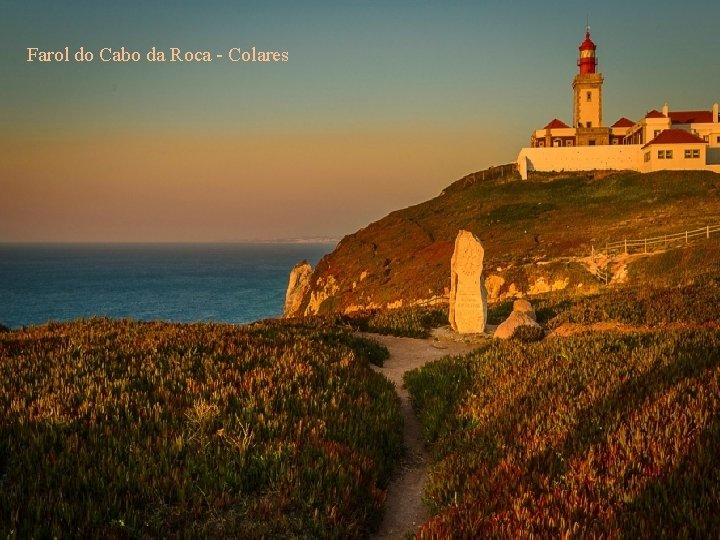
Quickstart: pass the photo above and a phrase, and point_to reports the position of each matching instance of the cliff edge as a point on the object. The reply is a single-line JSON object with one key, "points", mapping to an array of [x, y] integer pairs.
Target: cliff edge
{"points": [[536, 234]]}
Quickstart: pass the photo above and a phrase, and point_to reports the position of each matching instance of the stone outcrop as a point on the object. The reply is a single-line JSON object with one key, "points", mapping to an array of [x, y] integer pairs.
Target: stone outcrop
{"points": [[541, 286], [493, 284], [521, 305], [468, 297], [298, 286], [323, 289], [523, 315]]}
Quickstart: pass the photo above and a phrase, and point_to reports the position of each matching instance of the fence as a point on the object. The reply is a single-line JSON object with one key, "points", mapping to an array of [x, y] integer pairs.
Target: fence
{"points": [[604, 275], [646, 245]]}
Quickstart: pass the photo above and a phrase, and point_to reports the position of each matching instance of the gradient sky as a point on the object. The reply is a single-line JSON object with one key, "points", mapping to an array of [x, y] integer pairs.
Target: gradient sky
{"points": [[381, 105]]}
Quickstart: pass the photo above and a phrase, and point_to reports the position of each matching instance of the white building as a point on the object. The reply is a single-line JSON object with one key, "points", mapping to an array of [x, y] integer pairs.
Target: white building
{"points": [[670, 140]]}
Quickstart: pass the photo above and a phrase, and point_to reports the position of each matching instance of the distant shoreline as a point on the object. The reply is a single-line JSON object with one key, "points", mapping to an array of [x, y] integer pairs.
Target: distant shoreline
{"points": [[280, 242]]}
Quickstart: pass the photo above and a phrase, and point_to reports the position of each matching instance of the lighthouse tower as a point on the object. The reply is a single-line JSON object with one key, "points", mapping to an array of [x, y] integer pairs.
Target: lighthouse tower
{"points": [[587, 97]]}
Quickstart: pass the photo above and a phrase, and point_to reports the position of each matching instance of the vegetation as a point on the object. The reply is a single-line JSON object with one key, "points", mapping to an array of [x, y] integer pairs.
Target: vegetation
{"points": [[413, 322], [595, 435], [406, 255], [126, 429], [695, 263], [688, 304]]}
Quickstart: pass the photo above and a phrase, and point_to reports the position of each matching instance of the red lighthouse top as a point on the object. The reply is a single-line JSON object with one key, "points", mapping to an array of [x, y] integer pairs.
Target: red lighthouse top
{"points": [[587, 60]]}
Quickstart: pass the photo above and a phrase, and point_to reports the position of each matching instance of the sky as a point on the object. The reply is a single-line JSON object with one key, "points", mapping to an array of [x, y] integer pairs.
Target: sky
{"points": [[380, 105]]}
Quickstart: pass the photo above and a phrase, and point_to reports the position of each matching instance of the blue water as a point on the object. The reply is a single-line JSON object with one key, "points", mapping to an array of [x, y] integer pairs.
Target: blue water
{"points": [[234, 283]]}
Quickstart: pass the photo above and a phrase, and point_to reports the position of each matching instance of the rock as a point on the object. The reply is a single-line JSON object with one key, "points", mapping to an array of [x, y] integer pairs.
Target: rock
{"points": [[298, 286], [541, 286], [524, 306], [516, 319], [493, 284], [324, 288], [468, 297]]}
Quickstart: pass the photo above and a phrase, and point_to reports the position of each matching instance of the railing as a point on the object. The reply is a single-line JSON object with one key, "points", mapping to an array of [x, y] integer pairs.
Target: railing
{"points": [[603, 274], [666, 241], [646, 245]]}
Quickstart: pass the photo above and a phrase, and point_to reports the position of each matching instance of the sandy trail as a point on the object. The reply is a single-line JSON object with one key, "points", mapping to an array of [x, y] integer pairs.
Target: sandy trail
{"points": [[404, 510]]}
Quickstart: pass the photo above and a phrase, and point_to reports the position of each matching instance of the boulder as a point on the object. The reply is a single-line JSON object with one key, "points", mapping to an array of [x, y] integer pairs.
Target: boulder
{"points": [[524, 306], [468, 297], [298, 285], [506, 329]]}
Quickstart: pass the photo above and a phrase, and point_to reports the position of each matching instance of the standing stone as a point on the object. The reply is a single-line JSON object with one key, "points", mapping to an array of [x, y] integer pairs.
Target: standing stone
{"points": [[297, 287], [468, 297]]}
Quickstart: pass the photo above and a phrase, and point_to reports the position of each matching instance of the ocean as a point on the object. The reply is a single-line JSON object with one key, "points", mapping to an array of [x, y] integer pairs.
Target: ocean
{"points": [[231, 283]]}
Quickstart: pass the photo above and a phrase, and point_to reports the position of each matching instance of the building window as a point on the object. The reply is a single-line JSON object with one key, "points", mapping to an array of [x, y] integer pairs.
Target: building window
{"points": [[688, 154], [589, 124], [647, 157], [661, 154], [589, 96], [718, 140], [668, 154], [614, 141], [696, 153], [591, 142], [706, 138], [541, 144], [568, 142]]}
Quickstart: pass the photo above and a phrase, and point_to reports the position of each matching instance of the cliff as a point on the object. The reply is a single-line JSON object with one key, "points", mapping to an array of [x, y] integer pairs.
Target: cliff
{"points": [[536, 233]]}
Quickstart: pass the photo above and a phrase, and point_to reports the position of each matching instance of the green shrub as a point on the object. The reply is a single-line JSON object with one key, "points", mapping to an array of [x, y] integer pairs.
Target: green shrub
{"points": [[694, 304], [528, 334], [413, 322]]}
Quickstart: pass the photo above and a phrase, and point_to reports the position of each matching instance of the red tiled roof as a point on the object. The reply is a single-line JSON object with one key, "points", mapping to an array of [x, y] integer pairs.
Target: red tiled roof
{"points": [[556, 124], [687, 117], [654, 114], [623, 122], [675, 136]]}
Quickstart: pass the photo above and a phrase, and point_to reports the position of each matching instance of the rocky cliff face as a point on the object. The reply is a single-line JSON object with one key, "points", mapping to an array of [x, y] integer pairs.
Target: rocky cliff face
{"points": [[298, 288], [535, 234]]}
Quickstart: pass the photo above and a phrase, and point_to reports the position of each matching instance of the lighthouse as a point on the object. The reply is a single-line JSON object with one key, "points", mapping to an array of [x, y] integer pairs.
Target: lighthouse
{"points": [[587, 97]]}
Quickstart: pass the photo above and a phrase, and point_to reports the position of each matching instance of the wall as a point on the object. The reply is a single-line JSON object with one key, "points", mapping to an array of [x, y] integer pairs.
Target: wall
{"points": [[580, 158], [678, 162]]}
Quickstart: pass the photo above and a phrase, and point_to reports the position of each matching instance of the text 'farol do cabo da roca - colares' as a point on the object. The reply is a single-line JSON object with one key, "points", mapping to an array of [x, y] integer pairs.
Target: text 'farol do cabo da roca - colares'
{"points": [[173, 54]]}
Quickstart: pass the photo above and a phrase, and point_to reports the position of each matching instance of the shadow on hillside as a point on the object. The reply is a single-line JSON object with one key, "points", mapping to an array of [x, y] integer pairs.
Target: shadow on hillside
{"points": [[684, 500], [690, 361]]}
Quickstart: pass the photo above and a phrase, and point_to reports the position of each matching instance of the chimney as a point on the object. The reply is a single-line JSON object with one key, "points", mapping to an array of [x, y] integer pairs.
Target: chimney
{"points": [[716, 116], [666, 109]]}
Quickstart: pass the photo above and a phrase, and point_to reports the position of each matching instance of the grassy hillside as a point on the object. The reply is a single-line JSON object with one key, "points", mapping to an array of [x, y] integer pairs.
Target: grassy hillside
{"points": [[598, 435], [121, 429], [524, 225]]}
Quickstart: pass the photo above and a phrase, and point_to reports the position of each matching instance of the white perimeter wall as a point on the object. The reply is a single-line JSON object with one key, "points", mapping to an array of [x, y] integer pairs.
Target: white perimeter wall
{"points": [[581, 158]]}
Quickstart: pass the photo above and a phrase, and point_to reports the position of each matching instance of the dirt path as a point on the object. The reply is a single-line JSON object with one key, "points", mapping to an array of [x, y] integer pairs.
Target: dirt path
{"points": [[404, 510]]}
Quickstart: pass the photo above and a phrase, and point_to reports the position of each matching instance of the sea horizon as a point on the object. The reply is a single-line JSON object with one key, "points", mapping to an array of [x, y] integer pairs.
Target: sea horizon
{"points": [[182, 282]]}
